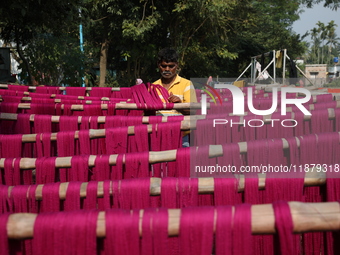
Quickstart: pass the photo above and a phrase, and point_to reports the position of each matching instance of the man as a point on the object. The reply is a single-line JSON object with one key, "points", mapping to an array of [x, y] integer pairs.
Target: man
{"points": [[180, 89]]}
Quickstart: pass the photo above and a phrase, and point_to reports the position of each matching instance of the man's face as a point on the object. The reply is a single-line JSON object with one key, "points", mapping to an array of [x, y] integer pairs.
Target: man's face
{"points": [[168, 69]]}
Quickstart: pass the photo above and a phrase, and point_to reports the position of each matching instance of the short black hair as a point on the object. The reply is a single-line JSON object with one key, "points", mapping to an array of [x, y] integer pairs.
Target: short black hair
{"points": [[167, 55]]}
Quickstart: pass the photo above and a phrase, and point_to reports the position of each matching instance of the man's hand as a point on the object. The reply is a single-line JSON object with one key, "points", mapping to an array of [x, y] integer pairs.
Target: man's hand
{"points": [[174, 99]]}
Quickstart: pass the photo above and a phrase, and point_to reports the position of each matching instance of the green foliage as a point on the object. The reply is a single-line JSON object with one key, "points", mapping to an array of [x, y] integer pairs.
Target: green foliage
{"points": [[333, 84], [213, 37], [55, 61], [22, 20], [325, 44], [333, 4]]}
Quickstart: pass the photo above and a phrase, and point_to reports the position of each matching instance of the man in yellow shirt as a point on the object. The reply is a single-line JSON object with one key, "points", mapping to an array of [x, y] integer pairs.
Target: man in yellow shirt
{"points": [[180, 89]]}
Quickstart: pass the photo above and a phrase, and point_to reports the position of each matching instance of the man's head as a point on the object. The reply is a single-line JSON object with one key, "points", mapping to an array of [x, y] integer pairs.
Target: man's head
{"points": [[167, 63]]}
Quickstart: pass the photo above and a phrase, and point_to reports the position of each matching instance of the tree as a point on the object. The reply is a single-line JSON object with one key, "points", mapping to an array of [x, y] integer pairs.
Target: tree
{"points": [[316, 44], [333, 4], [331, 37], [23, 20], [113, 27], [324, 40], [55, 60]]}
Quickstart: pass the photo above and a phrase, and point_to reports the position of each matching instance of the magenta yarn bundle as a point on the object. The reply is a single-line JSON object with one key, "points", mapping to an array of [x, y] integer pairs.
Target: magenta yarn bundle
{"points": [[66, 233], [146, 96], [42, 124], [118, 176], [75, 91]]}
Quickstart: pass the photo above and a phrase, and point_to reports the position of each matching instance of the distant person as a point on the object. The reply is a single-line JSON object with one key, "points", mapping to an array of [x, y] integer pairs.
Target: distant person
{"points": [[180, 89]]}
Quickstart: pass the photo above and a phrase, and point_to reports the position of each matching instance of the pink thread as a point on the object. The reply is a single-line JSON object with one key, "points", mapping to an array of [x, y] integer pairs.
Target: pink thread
{"points": [[19, 198], [79, 170], [45, 170], [139, 142], [42, 123], [160, 231], [76, 91], [90, 202], [135, 193], [284, 226], [137, 165], [23, 125], [65, 147], [101, 170], [68, 123], [116, 140], [43, 145], [66, 233], [242, 230], [11, 146], [169, 192], [50, 198], [122, 232], [72, 200], [223, 233], [84, 142], [226, 191], [117, 169], [105, 201], [101, 92], [196, 230], [4, 245], [5, 202], [33, 205]]}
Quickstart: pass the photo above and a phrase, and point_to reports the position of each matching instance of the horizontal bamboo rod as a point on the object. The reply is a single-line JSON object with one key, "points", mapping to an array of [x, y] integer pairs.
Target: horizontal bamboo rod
{"points": [[100, 133], [6, 86], [121, 106], [56, 118], [59, 100], [189, 123], [205, 185], [27, 93], [145, 119], [154, 156], [306, 217]]}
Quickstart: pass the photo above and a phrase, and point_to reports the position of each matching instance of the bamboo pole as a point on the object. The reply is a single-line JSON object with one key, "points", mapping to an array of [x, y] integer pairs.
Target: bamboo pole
{"points": [[192, 118], [205, 185], [100, 133], [51, 96], [59, 100], [6, 86], [122, 106], [154, 156], [306, 217]]}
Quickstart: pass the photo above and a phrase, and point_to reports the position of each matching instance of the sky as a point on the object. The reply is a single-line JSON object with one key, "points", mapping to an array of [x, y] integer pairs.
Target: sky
{"points": [[311, 16]]}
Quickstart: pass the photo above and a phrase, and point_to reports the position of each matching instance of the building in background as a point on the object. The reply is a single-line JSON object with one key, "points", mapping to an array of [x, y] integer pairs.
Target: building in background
{"points": [[317, 73]]}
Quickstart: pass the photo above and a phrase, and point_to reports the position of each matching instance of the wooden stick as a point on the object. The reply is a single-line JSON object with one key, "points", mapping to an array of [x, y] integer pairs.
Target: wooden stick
{"points": [[59, 100], [27, 93], [122, 106], [189, 123], [307, 217], [98, 133], [205, 185], [5, 86], [154, 156]]}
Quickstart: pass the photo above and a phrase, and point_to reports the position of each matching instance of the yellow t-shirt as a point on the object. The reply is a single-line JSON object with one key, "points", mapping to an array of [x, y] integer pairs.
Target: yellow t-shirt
{"points": [[182, 88]]}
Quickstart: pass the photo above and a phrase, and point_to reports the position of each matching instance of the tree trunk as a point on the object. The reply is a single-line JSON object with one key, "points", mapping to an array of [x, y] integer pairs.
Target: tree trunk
{"points": [[103, 62], [27, 65]]}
